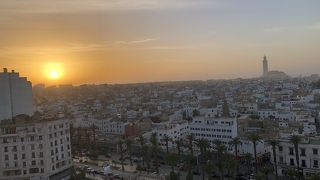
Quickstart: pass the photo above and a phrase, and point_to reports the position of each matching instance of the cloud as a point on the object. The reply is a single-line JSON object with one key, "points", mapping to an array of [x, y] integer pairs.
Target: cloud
{"points": [[275, 29], [60, 6], [139, 41], [315, 26]]}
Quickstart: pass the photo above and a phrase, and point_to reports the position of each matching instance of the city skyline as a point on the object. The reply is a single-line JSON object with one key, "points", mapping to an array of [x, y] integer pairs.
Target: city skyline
{"points": [[88, 42]]}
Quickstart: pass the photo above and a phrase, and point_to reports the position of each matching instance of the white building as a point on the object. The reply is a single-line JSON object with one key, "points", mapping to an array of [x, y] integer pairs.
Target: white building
{"points": [[35, 149], [15, 95], [223, 129], [173, 131], [309, 151]]}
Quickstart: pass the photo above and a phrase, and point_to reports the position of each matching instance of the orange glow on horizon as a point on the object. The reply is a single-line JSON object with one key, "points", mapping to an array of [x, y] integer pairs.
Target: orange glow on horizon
{"points": [[53, 71]]}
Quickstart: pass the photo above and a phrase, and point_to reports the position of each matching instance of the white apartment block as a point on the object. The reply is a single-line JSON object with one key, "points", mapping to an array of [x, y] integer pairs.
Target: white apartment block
{"points": [[109, 126], [223, 129], [35, 149], [15, 95], [174, 132], [103, 126], [309, 155]]}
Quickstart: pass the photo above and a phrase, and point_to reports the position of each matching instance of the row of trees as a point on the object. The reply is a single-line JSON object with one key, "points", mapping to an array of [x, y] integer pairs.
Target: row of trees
{"points": [[149, 152]]}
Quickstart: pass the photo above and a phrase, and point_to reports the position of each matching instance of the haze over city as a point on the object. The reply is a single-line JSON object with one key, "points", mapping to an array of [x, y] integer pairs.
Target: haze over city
{"points": [[97, 41]]}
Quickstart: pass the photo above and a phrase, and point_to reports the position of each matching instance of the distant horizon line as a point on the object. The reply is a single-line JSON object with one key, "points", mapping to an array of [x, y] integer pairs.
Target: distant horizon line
{"points": [[165, 81]]}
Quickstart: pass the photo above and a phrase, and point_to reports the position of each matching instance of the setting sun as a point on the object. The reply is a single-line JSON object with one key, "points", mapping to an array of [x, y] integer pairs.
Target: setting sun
{"points": [[53, 71], [54, 74]]}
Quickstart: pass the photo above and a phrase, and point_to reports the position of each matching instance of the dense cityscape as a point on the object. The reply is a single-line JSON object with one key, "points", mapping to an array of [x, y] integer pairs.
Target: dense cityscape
{"points": [[159, 90], [259, 128]]}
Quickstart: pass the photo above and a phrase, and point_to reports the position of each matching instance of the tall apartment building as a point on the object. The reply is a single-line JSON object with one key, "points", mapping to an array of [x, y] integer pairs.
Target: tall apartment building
{"points": [[34, 149], [15, 95], [31, 147]]}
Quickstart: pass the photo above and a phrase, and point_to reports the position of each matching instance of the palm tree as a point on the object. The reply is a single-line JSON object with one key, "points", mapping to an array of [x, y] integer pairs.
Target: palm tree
{"points": [[208, 169], [155, 149], [142, 142], [274, 143], [172, 160], [191, 139], [254, 138], [189, 166], [166, 139], [247, 159], [235, 142], [295, 140], [121, 151], [93, 127], [221, 149], [178, 143], [128, 143], [203, 145], [146, 155]]}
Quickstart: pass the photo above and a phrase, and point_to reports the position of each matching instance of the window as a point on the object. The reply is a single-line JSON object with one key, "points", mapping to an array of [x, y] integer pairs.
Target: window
{"points": [[303, 152], [33, 163], [292, 162], [290, 151], [281, 159], [315, 164], [33, 155], [6, 157], [5, 149], [303, 163], [15, 156], [315, 151], [23, 156]]}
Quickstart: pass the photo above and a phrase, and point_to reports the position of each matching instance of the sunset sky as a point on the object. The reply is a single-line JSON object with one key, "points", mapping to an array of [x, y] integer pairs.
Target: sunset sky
{"points": [[121, 41]]}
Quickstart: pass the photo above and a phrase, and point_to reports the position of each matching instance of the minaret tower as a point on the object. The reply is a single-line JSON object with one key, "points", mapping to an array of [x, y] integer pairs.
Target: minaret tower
{"points": [[265, 66]]}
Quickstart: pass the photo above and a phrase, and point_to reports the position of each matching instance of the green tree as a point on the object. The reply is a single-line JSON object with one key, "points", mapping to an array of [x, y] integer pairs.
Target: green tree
{"points": [[172, 160], [166, 139], [236, 142], [146, 155], [128, 143], [191, 139], [291, 173], [230, 164], [208, 169], [247, 160], [254, 138], [266, 170], [121, 151], [203, 145], [155, 150], [274, 143], [296, 140], [178, 143], [142, 141], [221, 149], [195, 113]]}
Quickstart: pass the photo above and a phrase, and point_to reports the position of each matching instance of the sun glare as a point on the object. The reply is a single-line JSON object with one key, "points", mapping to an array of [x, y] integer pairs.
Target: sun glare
{"points": [[53, 71], [54, 74]]}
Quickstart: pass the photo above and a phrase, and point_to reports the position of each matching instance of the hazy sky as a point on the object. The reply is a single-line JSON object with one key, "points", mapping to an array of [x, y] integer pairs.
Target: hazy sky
{"points": [[119, 41]]}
